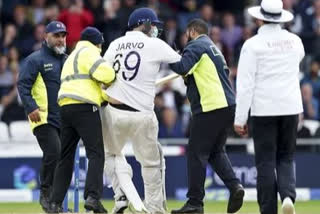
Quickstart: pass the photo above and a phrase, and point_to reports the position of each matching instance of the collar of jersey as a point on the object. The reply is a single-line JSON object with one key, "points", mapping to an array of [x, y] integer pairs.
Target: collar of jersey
{"points": [[135, 32], [266, 28]]}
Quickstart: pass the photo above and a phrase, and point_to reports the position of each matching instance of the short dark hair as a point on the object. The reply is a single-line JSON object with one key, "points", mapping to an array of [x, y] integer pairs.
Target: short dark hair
{"points": [[199, 26]]}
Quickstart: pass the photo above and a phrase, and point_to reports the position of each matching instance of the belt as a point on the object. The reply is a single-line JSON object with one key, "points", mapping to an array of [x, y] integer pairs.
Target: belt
{"points": [[80, 107], [123, 107]]}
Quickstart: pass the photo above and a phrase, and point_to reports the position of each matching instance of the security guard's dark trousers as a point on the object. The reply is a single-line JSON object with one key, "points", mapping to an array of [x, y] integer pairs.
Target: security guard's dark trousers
{"points": [[206, 145], [80, 121], [274, 144], [48, 138]]}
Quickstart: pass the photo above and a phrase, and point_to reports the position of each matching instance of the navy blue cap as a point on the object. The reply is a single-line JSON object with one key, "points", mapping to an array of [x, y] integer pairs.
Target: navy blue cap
{"points": [[56, 27], [141, 15], [92, 35]]}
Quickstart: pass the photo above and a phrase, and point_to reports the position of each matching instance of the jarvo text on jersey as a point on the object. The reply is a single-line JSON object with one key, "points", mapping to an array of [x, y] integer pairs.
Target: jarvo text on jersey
{"points": [[130, 45]]}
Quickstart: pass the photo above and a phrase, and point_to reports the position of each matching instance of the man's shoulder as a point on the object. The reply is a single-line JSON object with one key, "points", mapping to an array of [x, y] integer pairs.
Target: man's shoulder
{"points": [[253, 40], [34, 57], [156, 40], [159, 44], [252, 43], [292, 35], [199, 45]]}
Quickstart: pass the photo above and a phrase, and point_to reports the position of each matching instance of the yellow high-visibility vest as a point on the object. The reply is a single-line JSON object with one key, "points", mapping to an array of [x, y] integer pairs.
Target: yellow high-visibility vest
{"points": [[82, 75]]}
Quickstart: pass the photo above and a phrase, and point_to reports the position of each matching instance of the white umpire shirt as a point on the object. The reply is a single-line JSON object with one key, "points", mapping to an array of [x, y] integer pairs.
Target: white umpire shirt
{"points": [[267, 79], [136, 58]]}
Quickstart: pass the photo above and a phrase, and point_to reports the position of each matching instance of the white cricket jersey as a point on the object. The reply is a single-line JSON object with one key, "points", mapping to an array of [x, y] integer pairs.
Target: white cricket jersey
{"points": [[268, 70], [136, 58]]}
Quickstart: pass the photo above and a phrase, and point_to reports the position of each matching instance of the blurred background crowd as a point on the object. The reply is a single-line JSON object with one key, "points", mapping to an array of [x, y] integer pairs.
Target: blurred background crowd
{"points": [[22, 30]]}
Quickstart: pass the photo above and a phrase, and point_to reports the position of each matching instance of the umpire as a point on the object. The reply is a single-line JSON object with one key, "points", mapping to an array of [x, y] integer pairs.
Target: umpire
{"points": [[38, 86], [80, 96], [268, 83], [212, 105]]}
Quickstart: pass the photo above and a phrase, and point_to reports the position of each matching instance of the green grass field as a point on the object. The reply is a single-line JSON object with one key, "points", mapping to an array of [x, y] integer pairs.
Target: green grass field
{"points": [[310, 207]]}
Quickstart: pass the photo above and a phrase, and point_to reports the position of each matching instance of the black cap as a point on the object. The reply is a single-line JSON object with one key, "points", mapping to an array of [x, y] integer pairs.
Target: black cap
{"points": [[56, 27], [92, 35]]}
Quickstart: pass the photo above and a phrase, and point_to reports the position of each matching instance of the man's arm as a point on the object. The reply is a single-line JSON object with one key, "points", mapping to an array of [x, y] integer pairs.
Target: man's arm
{"points": [[99, 69], [27, 77], [188, 60], [245, 84], [302, 52], [167, 53], [102, 72]]}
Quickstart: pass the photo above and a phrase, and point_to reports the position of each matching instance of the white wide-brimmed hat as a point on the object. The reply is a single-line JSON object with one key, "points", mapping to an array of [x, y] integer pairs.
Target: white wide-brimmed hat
{"points": [[271, 11]]}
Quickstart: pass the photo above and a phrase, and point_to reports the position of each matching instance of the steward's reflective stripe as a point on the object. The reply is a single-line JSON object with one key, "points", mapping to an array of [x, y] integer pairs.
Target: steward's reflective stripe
{"points": [[75, 61], [95, 66], [76, 77], [76, 74], [76, 97]]}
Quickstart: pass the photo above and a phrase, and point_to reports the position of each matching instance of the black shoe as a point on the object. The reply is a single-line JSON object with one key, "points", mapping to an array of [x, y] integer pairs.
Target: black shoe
{"points": [[55, 208], [188, 208], [44, 200], [235, 199], [94, 205]]}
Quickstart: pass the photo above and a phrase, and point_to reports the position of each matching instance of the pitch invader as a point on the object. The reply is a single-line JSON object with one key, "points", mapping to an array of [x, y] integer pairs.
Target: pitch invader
{"points": [[136, 58]]}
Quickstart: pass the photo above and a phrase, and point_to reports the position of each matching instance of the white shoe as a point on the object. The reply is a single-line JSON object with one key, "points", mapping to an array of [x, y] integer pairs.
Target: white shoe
{"points": [[120, 205], [287, 206], [134, 211]]}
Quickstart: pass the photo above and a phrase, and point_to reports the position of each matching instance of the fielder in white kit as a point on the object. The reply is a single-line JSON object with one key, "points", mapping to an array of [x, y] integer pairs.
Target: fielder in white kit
{"points": [[130, 117]]}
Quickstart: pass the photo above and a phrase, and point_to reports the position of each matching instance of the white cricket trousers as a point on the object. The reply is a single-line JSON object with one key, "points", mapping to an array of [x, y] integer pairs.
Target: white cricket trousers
{"points": [[141, 129]]}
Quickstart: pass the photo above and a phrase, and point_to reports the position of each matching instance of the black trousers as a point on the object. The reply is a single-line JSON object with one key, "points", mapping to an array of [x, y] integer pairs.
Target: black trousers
{"points": [[80, 121], [206, 145], [275, 144], [48, 138]]}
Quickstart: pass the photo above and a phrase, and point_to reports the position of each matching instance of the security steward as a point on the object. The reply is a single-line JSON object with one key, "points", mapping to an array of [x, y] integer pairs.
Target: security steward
{"points": [[38, 86], [80, 96], [212, 105]]}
